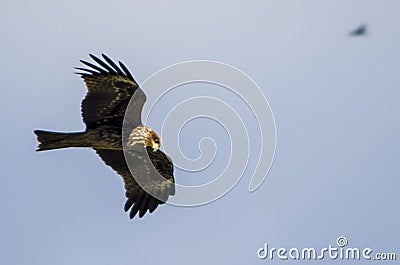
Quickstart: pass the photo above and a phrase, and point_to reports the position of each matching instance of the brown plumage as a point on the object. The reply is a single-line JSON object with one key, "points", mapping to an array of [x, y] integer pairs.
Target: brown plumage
{"points": [[110, 88]]}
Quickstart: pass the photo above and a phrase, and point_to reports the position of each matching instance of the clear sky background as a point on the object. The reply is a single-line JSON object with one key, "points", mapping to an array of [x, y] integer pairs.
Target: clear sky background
{"points": [[335, 100]]}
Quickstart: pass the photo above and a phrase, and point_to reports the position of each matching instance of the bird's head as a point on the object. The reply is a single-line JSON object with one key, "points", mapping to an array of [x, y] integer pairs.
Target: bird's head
{"points": [[153, 140], [144, 136]]}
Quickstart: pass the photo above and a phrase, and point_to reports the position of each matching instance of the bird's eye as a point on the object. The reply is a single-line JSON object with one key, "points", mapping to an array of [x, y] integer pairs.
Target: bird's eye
{"points": [[156, 140]]}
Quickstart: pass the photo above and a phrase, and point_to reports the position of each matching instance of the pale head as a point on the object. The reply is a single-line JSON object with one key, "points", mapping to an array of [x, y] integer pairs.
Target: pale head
{"points": [[144, 136]]}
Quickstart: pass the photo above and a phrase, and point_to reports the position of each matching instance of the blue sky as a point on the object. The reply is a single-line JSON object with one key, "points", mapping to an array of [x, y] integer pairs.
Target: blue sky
{"points": [[334, 98]]}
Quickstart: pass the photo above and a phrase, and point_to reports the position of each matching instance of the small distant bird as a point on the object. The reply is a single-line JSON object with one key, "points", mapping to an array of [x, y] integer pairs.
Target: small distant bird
{"points": [[360, 31], [110, 88]]}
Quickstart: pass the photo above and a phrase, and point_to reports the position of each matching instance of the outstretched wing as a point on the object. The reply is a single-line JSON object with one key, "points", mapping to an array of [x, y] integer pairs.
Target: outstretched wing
{"points": [[138, 200], [110, 88]]}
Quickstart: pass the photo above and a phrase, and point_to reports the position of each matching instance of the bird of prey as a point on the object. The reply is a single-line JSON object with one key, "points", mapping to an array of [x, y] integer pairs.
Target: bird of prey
{"points": [[360, 31], [110, 88]]}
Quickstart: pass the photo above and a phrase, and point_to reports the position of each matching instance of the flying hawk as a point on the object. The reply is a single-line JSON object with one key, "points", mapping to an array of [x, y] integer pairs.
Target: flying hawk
{"points": [[110, 88]]}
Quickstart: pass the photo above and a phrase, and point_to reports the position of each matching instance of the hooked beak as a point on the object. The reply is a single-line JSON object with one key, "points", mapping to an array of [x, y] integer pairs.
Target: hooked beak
{"points": [[156, 147]]}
